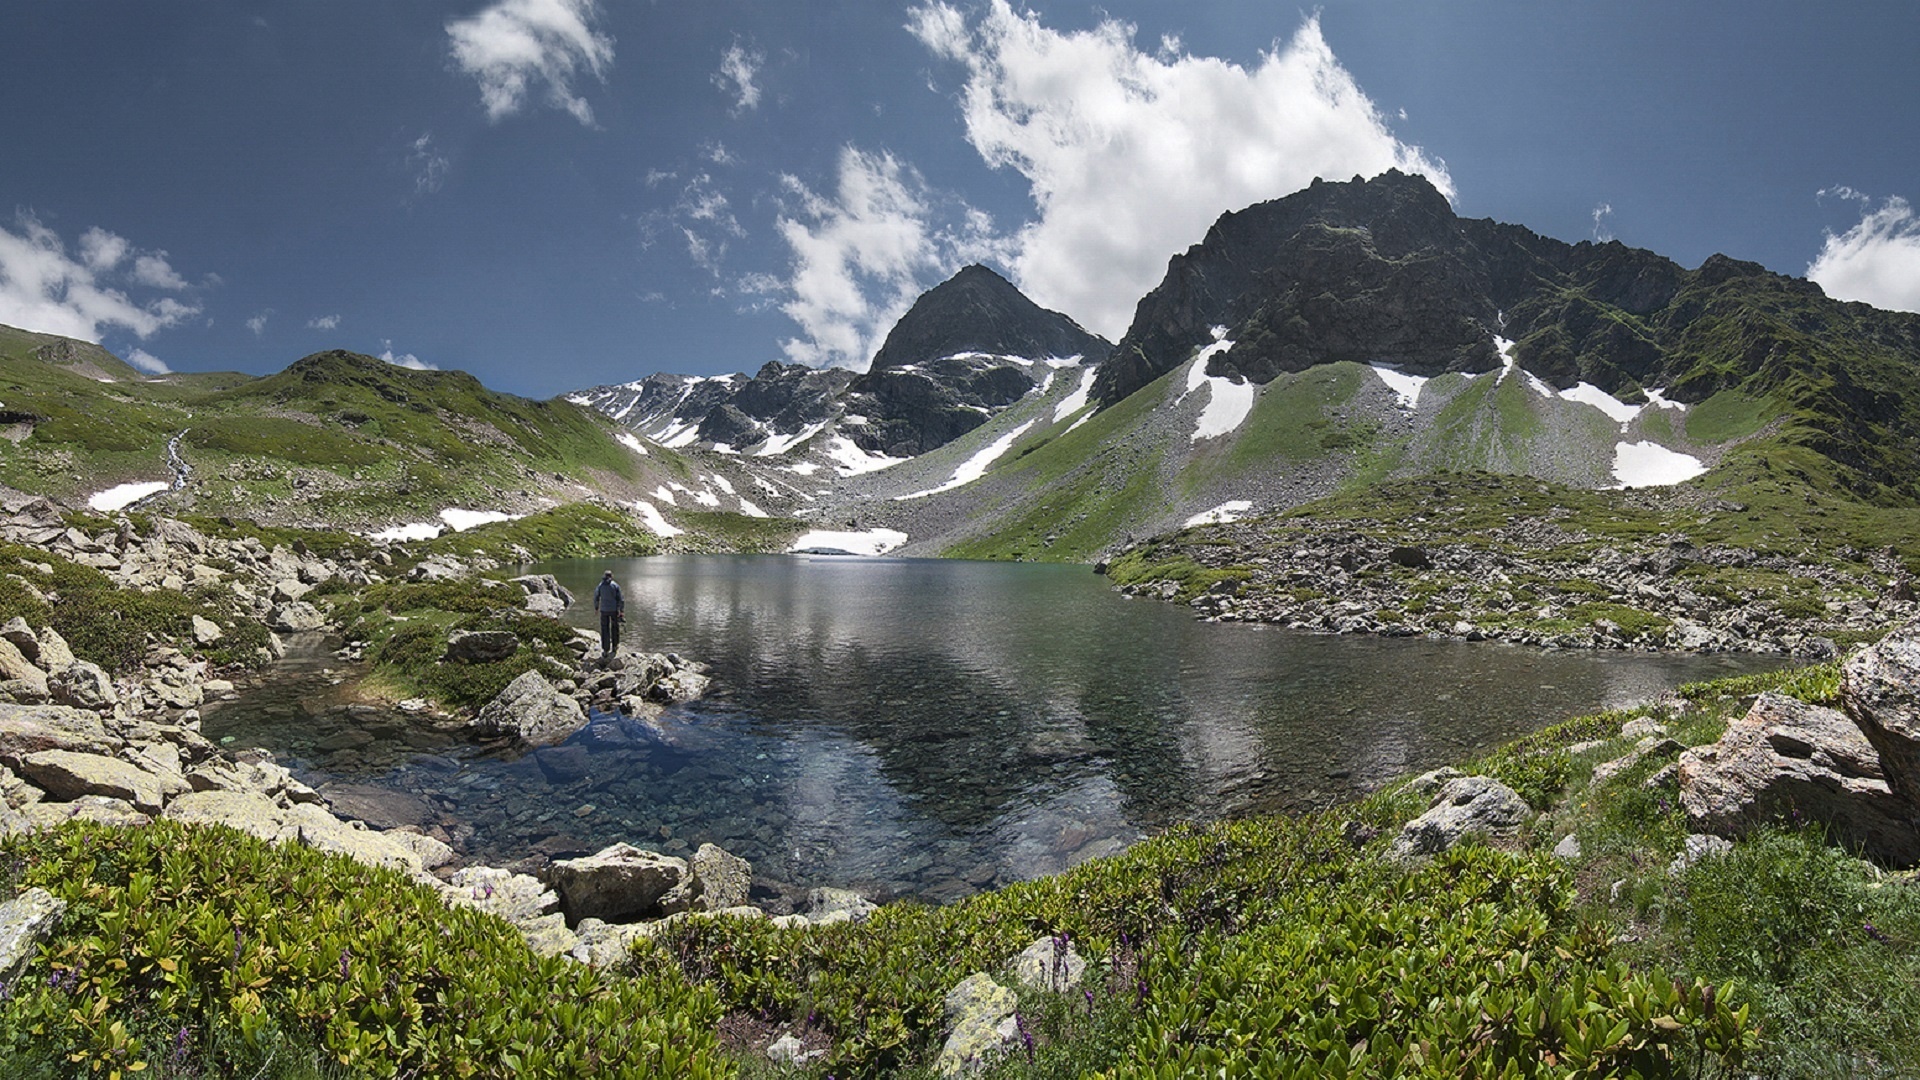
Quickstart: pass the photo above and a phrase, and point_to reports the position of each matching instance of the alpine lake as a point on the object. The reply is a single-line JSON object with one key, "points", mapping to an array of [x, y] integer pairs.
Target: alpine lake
{"points": [[934, 728]]}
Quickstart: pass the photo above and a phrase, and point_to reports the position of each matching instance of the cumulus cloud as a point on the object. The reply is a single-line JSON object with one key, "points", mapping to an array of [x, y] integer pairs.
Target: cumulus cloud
{"points": [[1129, 156], [45, 288], [862, 255], [324, 322], [1878, 260], [258, 323], [148, 362], [1603, 223], [405, 360], [739, 67], [518, 48]]}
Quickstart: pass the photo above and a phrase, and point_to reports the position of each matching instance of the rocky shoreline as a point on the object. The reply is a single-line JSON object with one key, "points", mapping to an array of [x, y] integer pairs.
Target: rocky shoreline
{"points": [[1533, 581], [79, 744]]}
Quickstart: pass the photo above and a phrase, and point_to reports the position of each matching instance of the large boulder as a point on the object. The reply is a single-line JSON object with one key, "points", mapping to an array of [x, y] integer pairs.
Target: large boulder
{"points": [[296, 617], [1880, 690], [481, 646], [545, 594], [532, 711], [64, 774], [14, 665], [982, 1025], [1787, 757], [29, 729], [1464, 806], [83, 685], [616, 884]]}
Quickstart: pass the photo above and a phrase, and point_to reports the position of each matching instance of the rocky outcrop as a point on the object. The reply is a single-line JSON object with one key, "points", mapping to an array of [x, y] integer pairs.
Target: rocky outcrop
{"points": [[26, 921], [1786, 759], [532, 712], [1880, 690], [621, 883], [1463, 806]]}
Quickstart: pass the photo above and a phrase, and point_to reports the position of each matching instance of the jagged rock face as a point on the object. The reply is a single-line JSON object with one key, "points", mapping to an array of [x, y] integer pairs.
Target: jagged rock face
{"points": [[978, 311], [1382, 271]]}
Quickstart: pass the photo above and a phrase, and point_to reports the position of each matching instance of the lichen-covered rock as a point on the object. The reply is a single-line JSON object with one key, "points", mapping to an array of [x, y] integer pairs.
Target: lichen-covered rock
{"points": [[1785, 756], [828, 905], [83, 685], [716, 880], [1880, 690], [295, 617], [1051, 963], [532, 711], [65, 774], [29, 729], [616, 884], [25, 922], [980, 1013], [1464, 806]]}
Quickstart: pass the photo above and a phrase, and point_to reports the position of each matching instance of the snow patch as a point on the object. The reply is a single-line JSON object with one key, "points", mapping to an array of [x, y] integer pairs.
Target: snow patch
{"points": [[1225, 513], [777, 443], [853, 461], [1404, 386], [1648, 464], [751, 510], [121, 496], [422, 530], [656, 524], [664, 495], [707, 499], [1076, 400], [1660, 400], [1228, 402], [627, 439], [1588, 394], [870, 542], [461, 520], [804, 468], [721, 482], [974, 467]]}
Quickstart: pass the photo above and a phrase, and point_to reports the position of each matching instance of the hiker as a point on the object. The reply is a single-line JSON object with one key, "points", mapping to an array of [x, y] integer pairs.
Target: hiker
{"points": [[613, 609]]}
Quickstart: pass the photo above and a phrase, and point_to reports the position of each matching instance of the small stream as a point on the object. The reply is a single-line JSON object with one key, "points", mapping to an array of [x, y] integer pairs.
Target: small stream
{"points": [[933, 728]]}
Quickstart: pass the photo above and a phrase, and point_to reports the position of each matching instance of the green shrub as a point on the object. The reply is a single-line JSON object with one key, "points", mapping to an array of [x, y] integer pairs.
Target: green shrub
{"points": [[176, 929]]}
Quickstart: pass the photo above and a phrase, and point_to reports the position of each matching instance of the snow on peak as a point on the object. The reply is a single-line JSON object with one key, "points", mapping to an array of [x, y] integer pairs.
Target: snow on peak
{"points": [[1648, 464]]}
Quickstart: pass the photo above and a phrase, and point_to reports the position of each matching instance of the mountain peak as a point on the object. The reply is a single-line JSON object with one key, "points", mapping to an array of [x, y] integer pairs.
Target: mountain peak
{"points": [[977, 310]]}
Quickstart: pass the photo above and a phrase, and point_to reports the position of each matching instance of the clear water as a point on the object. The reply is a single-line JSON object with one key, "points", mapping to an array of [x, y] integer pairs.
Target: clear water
{"points": [[933, 728]]}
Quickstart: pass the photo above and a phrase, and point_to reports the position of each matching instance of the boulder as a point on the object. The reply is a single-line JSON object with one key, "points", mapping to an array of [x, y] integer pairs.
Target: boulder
{"points": [[14, 665], [1051, 963], [248, 811], [29, 729], [206, 631], [1462, 807], [296, 617], [826, 905], [481, 646], [22, 636], [532, 711], [65, 774], [544, 587], [54, 652], [26, 921], [1784, 757], [83, 685], [980, 1013], [517, 898], [617, 884], [683, 685], [716, 880], [1880, 690]]}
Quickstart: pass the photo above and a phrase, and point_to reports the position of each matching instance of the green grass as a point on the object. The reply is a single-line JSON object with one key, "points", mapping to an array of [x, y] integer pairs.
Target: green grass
{"points": [[573, 531]]}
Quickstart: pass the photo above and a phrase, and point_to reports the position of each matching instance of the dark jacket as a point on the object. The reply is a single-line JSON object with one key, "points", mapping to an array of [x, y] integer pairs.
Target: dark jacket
{"points": [[607, 597]]}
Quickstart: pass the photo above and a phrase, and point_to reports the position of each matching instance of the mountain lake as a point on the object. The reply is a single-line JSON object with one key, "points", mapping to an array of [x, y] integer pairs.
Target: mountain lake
{"points": [[933, 728]]}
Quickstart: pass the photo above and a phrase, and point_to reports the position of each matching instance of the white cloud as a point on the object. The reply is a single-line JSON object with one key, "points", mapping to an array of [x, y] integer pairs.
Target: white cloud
{"points": [[148, 362], [1877, 261], [45, 289], [1130, 156], [717, 152], [516, 48], [1603, 223], [862, 257], [428, 165], [151, 269], [324, 322], [405, 360], [258, 323], [739, 66]]}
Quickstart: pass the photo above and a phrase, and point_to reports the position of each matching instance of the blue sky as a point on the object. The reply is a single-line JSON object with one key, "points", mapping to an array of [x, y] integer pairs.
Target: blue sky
{"points": [[554, 194]]}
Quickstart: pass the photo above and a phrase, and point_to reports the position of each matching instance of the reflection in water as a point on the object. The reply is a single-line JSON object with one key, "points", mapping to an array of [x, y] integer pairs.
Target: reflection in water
{"points": [[932, 728]]}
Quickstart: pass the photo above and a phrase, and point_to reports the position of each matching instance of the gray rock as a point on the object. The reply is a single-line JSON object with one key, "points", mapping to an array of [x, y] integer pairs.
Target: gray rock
{"points": [[83, 685], [15, 666], [17, 631], [26, 921], [517, 898], [1698, 846], [1785, 756], [1642, 726], [481, 646], [1049, 964], [602, 944], [1880, 690], [683, 685], [1427, 784], [716, 880], [1651, 746], [65, 774], [206, 631], [54, 653], [1466, 806], [616, 884], [1568, 848], [544, 586], [296, 617], [825, 905], [532, 711], [101, 809]]}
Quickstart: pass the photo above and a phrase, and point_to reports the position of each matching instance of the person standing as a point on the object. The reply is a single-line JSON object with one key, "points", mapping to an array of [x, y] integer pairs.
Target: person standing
{"points": [[612, 607]]}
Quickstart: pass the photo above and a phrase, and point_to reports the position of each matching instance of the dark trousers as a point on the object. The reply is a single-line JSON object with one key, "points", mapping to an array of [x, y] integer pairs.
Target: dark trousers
{"points": [[609, 631]]}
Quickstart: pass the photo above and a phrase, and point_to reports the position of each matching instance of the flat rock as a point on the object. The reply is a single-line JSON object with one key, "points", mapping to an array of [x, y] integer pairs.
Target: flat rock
{"points": [[29, 729], [1786, 756], [381, 808], [65, 774], [616, 884]]}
